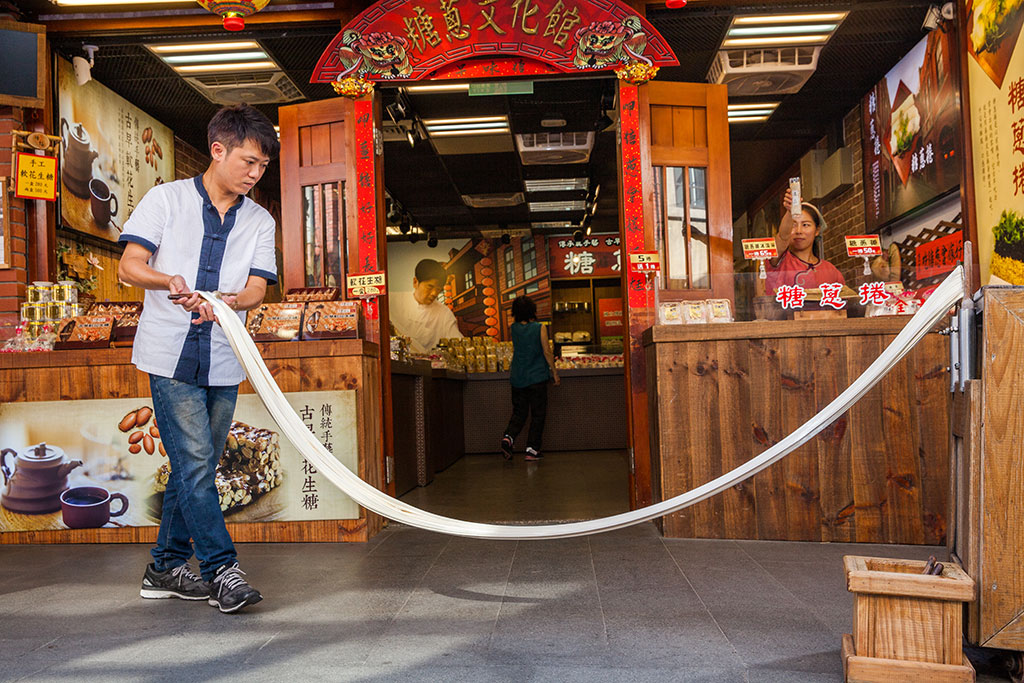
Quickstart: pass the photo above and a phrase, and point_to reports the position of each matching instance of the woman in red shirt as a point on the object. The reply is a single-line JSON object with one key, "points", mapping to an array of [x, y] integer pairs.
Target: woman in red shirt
{"points": [[798, 264]]}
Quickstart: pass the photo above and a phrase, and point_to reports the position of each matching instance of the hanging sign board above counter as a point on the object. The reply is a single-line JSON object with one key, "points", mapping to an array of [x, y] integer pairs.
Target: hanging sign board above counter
{"points": [[366, 285], [863, 245], [760, 249], [644, 262]]}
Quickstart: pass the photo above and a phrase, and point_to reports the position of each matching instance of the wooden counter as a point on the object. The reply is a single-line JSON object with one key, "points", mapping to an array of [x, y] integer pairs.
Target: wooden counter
{"points": [[297, 366], [721, 394]]}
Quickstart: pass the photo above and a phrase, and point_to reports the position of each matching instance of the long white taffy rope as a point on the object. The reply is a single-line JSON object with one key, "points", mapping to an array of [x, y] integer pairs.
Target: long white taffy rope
{"points": [[945, 296]]}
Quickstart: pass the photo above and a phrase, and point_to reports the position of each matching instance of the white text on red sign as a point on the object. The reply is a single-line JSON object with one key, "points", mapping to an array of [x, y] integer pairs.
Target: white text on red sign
{"points": [[863, 245], [645, 262], [758, 249]]}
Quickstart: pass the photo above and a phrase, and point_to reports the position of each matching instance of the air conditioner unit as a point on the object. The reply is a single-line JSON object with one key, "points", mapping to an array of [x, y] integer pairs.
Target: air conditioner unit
{"points": [[259, 87], [764, 71], [554, 148]]}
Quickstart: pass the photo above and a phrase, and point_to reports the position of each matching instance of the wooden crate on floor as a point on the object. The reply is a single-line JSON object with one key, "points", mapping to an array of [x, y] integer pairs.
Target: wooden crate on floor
{"points": [[907, 626]]}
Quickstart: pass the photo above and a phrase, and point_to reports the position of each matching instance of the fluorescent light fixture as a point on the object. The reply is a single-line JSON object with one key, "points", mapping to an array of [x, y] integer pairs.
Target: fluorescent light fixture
{"points": [[215, 57], [782, 30], [557, 206], [557, 185], [751, 112], [99, 3], [755, 105], [790, 18], [817, 38], [552, 225], [747, 119], [206, 47], [473, 119], [443, 87], [235, 66], [466, 126], [449, 133]]}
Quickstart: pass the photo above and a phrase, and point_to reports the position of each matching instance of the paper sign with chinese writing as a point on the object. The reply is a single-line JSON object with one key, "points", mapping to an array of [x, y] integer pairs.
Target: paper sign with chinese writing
{"points": [[36, 177], [645, 262], [369, 284], [939, 256], [409, 41], [594, 256], [609, 321], [863, 245], [760, 249]]}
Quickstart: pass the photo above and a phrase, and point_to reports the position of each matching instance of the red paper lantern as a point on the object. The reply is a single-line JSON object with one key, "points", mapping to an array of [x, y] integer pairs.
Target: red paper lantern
{"points": [[675, 4], [234, 11]]}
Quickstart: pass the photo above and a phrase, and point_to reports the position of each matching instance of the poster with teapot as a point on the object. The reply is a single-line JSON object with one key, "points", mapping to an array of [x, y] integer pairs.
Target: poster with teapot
{"points": [[104, 463], [112, 152]]}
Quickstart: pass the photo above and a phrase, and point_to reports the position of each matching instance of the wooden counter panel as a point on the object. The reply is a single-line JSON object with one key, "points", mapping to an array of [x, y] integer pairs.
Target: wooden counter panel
{"points": [[878, 474], [300, 366]]}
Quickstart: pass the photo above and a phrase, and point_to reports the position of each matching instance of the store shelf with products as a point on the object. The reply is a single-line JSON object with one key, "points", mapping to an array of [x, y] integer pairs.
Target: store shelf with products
{"points": [[586, 311]]}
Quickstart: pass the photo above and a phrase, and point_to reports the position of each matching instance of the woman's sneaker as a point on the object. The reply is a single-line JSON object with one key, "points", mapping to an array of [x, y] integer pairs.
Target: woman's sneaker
{"points": [[179, 582], [506, 447], [229, 592], [532, 454]]}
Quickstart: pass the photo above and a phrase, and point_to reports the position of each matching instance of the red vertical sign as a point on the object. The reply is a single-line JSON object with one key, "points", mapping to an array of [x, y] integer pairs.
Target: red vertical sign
{"points": [[366, 200]]}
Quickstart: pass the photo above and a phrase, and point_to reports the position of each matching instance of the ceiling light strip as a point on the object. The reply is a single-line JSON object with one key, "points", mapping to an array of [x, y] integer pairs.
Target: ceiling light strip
{"points": [[776, 40], [747, 119], [237, 66], [790, 18], [206, 47], [466, 126], [449, 133], [471, 119], [215, 58], [448, 87], [787, 29]]}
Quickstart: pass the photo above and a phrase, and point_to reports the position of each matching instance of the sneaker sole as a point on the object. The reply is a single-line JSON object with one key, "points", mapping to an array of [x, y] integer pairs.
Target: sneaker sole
{"points": [[533, 458], [157, 594], [230, 610], [507, 454]]}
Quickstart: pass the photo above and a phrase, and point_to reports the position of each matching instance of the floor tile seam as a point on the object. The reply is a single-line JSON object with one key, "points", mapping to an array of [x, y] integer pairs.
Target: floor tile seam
{"points": [[597, 589], [409, 594], [707, 610], [504, 594], [813, 609]]}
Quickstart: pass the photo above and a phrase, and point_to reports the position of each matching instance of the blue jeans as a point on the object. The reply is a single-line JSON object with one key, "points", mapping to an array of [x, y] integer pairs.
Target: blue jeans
{"points": [[194, 423]]}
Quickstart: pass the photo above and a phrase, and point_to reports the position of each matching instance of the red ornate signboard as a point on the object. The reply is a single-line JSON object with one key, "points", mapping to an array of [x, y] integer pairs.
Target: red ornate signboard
{"points": [[409, 40], [593, 256]]}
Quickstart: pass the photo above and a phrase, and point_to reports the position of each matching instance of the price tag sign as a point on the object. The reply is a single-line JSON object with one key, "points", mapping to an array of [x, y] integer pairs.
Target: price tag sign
{"points": [[366, 285], [760, 249], [863, 245], [645, 262], [36, 177]]}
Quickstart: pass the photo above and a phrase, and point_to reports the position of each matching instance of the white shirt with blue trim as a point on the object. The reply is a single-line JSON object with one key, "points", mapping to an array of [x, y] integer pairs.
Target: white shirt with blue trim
{"points": [[178, 223]]}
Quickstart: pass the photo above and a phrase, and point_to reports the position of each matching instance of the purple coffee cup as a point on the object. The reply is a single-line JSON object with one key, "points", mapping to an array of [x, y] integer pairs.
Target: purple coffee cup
{"points": [[88, 507]]}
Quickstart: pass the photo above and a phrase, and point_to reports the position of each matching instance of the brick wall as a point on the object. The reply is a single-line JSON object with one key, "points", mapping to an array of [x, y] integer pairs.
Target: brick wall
{"points": [[13, 280], [845, 213], [188, 161]]}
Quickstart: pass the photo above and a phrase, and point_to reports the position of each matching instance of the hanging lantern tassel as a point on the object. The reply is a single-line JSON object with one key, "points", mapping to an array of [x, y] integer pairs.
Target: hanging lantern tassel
{"points": [[234, 11]]}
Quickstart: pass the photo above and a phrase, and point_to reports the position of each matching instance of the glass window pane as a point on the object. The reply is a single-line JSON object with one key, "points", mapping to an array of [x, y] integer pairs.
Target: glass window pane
{"points": [[468, 281], [510, 267], [334, 239], [700, 246], [529, 249], [312, 207], [675, 228]]}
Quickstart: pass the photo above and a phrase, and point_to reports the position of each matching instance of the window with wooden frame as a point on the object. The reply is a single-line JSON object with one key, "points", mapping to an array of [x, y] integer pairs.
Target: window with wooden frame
{"points": [[529, 249], [681, 226], [510, 267], [323, 234]]}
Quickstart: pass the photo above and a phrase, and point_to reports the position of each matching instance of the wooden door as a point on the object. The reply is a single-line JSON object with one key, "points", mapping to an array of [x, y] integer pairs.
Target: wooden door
{"points": [[689, 199], [332, 220]]}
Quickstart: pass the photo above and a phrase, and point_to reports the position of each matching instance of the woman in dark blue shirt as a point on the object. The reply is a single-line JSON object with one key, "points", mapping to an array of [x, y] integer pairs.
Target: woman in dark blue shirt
{"points": [[532, 366]]}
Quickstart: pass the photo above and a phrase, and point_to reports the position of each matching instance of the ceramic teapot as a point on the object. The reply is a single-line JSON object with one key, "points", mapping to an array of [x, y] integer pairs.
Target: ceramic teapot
{"points": [[35, 478], [78, 157]]}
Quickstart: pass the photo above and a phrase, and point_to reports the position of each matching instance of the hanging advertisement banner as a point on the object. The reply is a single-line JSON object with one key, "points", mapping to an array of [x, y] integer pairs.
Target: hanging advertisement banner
{"points": [[939, 256], [995, 67], [103, 463], [112, 152], [408, 41]]}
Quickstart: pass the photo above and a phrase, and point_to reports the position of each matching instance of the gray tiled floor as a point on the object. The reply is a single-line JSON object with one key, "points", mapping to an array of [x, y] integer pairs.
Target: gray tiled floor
{"points": [[416, 606]]}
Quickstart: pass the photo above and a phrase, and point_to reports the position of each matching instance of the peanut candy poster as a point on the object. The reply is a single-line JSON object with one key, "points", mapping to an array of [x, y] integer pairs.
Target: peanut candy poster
{"points": [[103, 448], [995, 67]]}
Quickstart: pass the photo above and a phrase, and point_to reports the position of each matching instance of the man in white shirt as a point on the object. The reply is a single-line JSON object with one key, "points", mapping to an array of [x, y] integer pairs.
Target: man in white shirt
{"points": [[419, 315], [199, 234]]}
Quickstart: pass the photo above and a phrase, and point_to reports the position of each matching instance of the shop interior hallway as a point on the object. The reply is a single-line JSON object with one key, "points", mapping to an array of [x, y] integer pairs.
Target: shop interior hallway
{"points": [[564, 486]]}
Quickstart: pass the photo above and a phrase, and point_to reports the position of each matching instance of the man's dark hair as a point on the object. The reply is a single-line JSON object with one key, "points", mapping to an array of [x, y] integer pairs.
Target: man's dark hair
{"points": [[232, 126], [429, 269], [524, 309]]}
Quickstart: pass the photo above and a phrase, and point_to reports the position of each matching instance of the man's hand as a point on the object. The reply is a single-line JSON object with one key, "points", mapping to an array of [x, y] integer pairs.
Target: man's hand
{"points": [[193, 303]]}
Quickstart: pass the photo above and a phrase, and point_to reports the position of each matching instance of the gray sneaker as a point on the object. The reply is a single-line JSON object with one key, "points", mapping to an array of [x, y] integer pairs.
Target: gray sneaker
{"points": [[230, 592], [179, 582]]}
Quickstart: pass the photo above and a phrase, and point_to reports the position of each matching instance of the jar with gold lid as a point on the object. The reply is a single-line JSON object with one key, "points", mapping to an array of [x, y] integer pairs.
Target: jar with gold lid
{"points": [[31, 312], [56, 310], [40, 292], [66, 291]]}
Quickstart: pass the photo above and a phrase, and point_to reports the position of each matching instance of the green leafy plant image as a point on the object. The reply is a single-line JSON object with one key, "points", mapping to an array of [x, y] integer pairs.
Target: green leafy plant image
{"points": [[1010, 228], [904, 136]]}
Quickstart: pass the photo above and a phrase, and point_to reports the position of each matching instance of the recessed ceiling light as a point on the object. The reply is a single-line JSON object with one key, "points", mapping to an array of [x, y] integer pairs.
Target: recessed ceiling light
{"points": [[753, 105], [556, 184], [466, 126], [449, 133], [552, 225], [747, 119], [206, 47], [790, 18], [234, 66], [541, 207], [781, 30], [776, 40], [471, 119], [216, 57]]}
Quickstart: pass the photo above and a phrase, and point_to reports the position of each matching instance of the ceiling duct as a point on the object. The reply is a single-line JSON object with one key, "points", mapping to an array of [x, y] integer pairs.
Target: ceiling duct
{"points": [[764, 71], [257, 87], [493, 201], [554, 148]]}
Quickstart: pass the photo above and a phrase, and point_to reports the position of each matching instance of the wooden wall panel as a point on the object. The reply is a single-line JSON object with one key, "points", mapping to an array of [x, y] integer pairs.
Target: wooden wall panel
{"points": [[725, 395]]}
